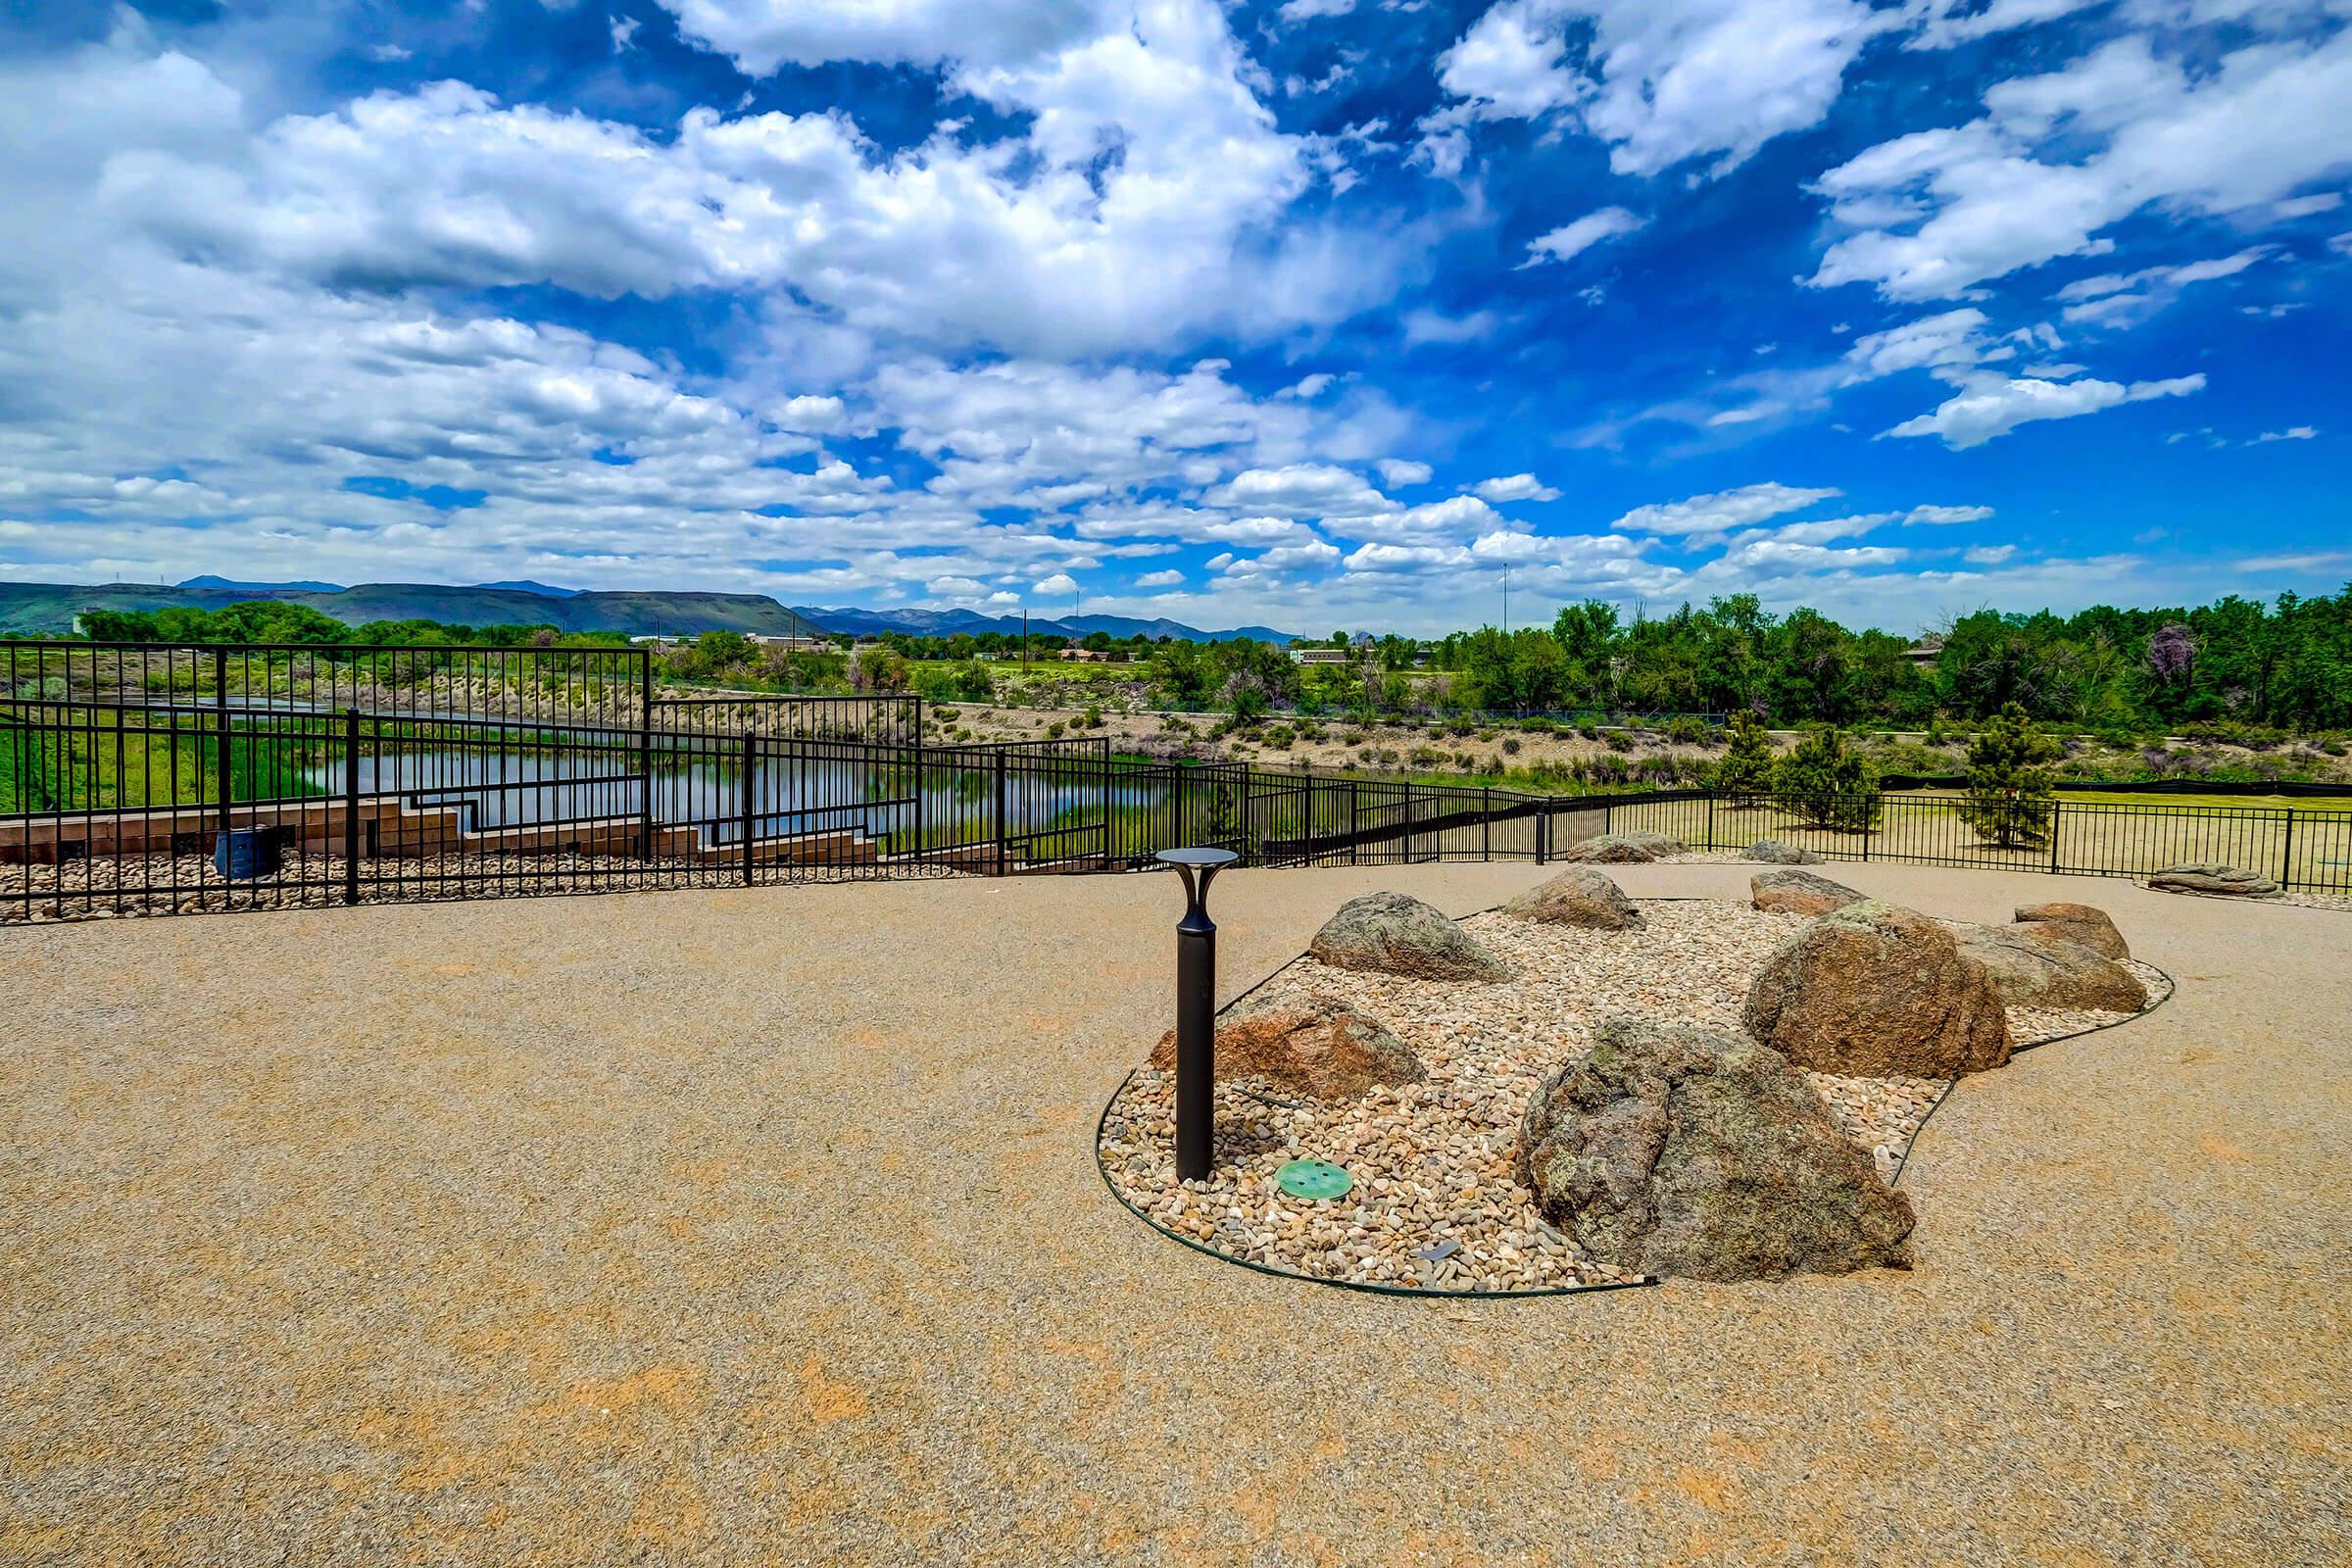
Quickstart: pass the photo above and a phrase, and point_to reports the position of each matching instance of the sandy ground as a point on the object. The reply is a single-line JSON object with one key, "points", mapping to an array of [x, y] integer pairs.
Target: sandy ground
{"points": [[764, 1227]]}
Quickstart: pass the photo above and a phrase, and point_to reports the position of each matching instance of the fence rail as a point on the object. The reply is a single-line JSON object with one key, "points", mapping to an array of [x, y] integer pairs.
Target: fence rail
{"points": [[163, 779]]}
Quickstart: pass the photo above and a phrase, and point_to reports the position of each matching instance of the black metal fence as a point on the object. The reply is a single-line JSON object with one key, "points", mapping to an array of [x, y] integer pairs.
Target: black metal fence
{"points": [[155, 779]]}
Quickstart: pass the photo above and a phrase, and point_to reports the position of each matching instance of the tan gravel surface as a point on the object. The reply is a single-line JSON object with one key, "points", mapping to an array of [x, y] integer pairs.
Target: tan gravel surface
{"points": [[765, 1227]]}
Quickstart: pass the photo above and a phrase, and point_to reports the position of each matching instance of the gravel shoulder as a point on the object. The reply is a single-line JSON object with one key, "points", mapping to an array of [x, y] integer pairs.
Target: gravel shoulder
{"points": [[765, 1227]]}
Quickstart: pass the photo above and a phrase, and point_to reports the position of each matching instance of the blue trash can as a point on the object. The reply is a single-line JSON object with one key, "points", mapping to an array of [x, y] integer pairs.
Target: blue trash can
{"points": [[246, 854]]}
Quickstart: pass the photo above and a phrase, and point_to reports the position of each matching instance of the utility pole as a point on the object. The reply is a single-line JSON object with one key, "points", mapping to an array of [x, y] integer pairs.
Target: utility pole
{"points": [[1506, 600]]}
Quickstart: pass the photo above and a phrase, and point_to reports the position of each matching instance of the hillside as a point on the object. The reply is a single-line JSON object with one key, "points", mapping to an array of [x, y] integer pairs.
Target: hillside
{"points": [[49, 609]]}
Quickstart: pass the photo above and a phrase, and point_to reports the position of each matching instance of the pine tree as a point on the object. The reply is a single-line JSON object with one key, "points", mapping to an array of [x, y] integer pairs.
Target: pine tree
{"points": [[2009, 801], [1827, 784], [1747, 767]]}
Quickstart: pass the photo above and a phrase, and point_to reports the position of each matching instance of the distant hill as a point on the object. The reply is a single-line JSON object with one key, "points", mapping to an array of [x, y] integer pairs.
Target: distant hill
{"points": [[948, 623], [526, 586], [49, 609], [263, 589]]}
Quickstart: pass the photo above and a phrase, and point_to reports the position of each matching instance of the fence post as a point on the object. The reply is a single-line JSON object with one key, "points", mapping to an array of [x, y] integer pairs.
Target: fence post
{"points": [[1486, 822], [751, 797], [644, 753], [1102, 761], [1866, 824], [1710, 819], [1354, 847], [1607, 811], [1408, 822], [1543, 835], [1002, 827], [2055, 809], [2286, 854], [221, 759], [351, 806]]}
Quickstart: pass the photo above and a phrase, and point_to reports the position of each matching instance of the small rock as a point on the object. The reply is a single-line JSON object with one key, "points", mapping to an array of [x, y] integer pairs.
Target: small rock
{"points": [[2212, 876], [1774, 852], [1578, 895], [1799, 893]]}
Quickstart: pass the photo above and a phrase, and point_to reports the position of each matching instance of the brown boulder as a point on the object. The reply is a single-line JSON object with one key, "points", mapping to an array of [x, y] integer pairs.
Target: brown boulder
{"points": [[2212, 877], [2083, 924], [1874, 990], [2043, 972], [1390, 933], [1622, 849], [1307, 1043], [1670, 1151], [1799, 893], [1578, 895]]}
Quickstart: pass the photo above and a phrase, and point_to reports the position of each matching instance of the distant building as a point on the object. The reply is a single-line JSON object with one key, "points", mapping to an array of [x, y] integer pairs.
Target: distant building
{"points": [[1082, 656], [1321, 655], [1922, 654], [793, 645]]}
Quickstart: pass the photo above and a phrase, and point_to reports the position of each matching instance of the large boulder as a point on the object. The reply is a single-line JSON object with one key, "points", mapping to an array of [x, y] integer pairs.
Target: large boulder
{"points": [[1874, 991], [1772, 851], [1668, 1149], [1390, 933], [2083, 924], [1799, 893], [1578, 895], [1307, 1041], [2212, 876], [2043, 973], [1622, 849]]}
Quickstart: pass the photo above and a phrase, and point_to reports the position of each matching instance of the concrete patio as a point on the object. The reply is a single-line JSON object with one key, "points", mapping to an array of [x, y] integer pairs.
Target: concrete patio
{"points": [[764, 1227]]}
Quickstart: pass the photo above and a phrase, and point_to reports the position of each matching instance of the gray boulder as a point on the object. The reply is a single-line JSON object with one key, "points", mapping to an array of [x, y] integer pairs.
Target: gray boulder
{"points": [[1578, 895], [1622, 849], [1799, 893], [2030, 972], [1390, 933], [2212, 876], [1306, 1042], [1772, 851], [1875, 990], [1669, 1150], [2083, 924]]}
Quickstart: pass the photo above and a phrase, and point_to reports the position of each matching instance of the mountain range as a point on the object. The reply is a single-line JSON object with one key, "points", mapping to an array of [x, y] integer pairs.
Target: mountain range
{"points": [[50, 609]]}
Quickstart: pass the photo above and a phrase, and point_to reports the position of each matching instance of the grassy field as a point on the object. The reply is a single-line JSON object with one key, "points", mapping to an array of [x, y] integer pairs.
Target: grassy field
{"points": [[2300, 803]]}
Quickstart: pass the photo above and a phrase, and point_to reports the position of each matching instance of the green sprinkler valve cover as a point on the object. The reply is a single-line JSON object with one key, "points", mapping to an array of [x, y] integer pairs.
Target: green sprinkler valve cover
{"points": [[1313, 1178]]}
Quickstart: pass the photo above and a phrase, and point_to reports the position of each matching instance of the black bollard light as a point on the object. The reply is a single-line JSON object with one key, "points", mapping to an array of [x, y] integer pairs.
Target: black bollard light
{"points": [[1196, 1009]]}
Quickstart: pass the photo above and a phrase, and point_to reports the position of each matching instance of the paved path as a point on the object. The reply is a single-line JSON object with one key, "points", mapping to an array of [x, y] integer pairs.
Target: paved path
{"points": [[763, 1227]]}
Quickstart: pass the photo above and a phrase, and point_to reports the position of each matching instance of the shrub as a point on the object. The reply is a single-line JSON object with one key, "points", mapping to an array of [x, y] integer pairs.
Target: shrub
{"points": [[1278, 737], [1746, 768], [1510, 746], [2009, 801], [1827, 783], [1054, 730], [1617, 740]]}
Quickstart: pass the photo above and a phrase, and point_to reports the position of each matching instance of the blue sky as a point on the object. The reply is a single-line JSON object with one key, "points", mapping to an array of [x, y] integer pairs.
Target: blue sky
{"points": [[1318, 314]]}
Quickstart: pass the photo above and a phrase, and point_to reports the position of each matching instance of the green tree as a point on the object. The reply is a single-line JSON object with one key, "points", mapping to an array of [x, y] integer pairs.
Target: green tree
{"points": [[2009, 801], [1827, 783], [1746, 766]]}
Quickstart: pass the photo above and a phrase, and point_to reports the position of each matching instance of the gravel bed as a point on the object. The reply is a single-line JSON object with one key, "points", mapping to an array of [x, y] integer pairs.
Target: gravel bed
{"points": [[1436, 1204]]}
